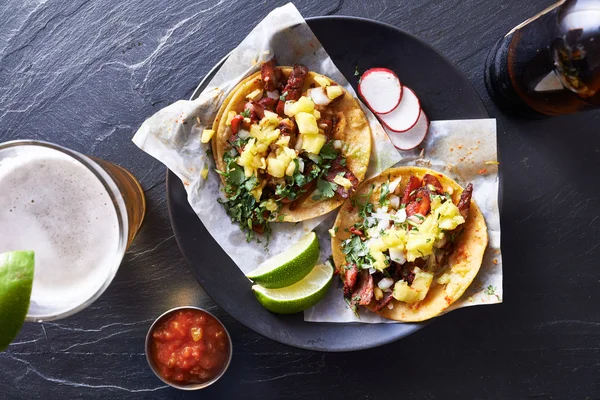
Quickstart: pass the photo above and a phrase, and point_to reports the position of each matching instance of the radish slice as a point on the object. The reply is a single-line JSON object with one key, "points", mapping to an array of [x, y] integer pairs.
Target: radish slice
{"points": [[381, 90], [413, 137], [406, 115]]}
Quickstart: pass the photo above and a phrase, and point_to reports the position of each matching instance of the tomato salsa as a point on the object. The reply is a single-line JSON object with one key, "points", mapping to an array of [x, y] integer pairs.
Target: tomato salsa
{"points": [[191, 346]]}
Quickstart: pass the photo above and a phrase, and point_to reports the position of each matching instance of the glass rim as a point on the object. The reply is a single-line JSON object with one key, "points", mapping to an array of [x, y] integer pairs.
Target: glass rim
{"points": [[120, 208]]}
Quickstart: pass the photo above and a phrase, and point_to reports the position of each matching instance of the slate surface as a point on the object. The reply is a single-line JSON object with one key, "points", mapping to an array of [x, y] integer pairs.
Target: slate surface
{"points": [[85, 74]]}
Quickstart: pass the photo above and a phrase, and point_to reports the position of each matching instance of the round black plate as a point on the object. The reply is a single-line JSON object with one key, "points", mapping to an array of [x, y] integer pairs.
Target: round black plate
{"points": [[351, 42]]}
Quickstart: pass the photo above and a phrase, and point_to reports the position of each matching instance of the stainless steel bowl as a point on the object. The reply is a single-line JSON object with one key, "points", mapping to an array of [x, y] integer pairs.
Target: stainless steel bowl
{"points": [[182, 386]]}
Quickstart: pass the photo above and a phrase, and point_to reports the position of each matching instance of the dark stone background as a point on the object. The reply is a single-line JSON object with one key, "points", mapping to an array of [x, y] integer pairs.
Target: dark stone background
{"points": [[85, 74]]}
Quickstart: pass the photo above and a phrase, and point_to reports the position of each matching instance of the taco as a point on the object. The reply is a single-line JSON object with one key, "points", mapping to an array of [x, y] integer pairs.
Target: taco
{"points": [[290, 145], [408, 243]]}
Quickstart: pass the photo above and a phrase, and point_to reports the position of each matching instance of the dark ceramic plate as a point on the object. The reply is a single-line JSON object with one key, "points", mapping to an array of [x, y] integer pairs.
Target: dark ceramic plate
{"points": [[351, 42]]}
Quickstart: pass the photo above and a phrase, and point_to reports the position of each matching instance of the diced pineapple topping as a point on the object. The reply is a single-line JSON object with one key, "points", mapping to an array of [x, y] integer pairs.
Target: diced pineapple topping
{"points": [[444, 279], [394, 238], [449, 216], [278, 164], [270, 118], [255, 95], [345, 182], [303, 104], [291, 168], [207, 134], [334, 92], [322, 81], [270, 205], [307, 123], [378, 293], [380, 260], [250, 158], [230, 116], [283, 141], [316, 114], [313, 143], [417, 291], [204, 172], [257, 191]]}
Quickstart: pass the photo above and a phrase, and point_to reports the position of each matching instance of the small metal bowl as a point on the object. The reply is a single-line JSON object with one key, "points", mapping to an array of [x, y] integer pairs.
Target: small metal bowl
{"points": [[183, 386]]}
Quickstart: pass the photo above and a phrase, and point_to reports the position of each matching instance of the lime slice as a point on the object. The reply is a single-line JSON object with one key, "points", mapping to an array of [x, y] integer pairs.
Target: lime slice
{"points": [[16, 279], [298, 297], [288, 267]]}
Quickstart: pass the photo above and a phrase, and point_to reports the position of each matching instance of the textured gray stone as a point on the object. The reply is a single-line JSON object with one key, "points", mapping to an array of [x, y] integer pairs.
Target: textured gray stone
{"points": [[85, 74]]}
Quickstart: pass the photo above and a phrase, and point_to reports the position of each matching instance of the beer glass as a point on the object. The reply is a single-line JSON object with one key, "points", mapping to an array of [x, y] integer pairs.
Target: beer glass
{"points": [[79, 214]]}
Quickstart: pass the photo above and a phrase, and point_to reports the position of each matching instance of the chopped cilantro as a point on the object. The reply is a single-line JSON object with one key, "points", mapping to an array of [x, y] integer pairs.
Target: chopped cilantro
{"points": [[384, 191], [356, 71], [326, 189], [245, 113], [490, 290], [328, 152], [283, 96]]}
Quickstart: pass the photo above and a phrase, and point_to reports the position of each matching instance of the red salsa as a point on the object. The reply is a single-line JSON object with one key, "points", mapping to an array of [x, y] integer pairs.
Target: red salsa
{"points": [[190, 346]]}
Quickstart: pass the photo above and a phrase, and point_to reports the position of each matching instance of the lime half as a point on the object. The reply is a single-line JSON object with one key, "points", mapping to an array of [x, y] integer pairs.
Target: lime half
{"points": [[16, 279], [298, 297], [288, 267]]}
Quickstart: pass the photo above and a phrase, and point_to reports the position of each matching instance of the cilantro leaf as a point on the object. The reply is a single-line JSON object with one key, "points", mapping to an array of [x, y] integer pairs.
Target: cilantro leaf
{"points": [[328, 152], [326, 189], [384, 191], [245, 113]]}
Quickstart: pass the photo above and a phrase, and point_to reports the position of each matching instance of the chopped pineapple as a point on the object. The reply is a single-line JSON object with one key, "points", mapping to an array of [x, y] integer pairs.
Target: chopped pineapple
{"points": [[403, 292], [322, 81], [204, 172], [303, 104], [380, 260], [316, 114], [313, 143], [448, 216], [250, 158], [255, 95], [207, 134], [421, 283], [270, 205], [376, 244], [378, 293], [276, 167], [271, 117], [291, 168], [257, 191], [444, 279], [345, 182], [307, 124], [230, 116], [283, 141], [394, 238], [334, 92]]}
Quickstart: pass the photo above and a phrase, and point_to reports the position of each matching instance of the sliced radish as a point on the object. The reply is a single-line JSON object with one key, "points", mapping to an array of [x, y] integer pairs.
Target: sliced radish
{"points": [[413, 137], [406, 115], [381, 90]]}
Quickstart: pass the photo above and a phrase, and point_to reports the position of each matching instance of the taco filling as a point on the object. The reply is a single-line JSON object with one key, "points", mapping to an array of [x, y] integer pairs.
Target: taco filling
{"points": [[402, 241], [281, 148]]}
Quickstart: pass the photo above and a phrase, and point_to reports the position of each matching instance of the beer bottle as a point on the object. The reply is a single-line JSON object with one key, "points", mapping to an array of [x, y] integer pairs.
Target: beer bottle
{"points": [[549, 64]]}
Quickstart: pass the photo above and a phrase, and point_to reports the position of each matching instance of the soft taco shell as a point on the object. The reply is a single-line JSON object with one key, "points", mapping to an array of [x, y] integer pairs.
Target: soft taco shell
{"points": [[464, 263], [352, 128]]}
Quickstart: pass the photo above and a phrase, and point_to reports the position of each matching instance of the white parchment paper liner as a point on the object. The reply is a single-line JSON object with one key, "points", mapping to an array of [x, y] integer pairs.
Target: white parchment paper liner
{"points": [[172, 136]]}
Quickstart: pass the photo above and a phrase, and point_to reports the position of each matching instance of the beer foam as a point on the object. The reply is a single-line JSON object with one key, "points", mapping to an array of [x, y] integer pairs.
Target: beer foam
{"points": [[52, 204]]}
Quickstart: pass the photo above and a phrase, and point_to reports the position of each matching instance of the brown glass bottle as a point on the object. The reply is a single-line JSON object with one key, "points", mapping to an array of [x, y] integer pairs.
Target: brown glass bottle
{"points": [[549, 64]]}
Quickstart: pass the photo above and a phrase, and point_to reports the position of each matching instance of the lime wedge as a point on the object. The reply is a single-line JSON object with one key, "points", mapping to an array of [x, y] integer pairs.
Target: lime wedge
{"points": [[288, 267], [298, 297], [16, 279]]}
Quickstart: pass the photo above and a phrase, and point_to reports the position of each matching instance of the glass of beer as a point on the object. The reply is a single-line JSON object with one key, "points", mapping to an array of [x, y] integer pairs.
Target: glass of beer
{"points": [[79, 215]]}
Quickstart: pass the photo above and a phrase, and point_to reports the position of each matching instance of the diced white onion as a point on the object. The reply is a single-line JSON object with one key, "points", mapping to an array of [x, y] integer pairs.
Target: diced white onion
{"points": [[415, 219], [318, 96], [394, 184], [394, 201], [440, 243], [243, 134], [370, 221], [298, 146], [397, 255], [372, 271], [385, 283], [301, 165], [400, 216], [383, 224], [286, 107], [390, 306], [337, 144], [274, 94]]}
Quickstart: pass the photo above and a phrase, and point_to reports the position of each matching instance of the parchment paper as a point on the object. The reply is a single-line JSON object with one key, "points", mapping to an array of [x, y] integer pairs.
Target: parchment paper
{"points": [[172, 136]]}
